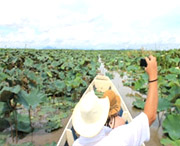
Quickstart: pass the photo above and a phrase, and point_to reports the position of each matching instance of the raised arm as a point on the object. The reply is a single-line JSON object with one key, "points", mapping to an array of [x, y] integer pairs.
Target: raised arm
{"points": [[151, 104]]}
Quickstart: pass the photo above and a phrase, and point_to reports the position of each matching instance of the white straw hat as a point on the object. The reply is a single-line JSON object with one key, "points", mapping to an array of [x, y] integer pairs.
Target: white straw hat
{"points": [[90, 115]]}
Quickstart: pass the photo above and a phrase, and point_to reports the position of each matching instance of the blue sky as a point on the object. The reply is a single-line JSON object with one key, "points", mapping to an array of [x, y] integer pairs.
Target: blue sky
{"points": [[90, 24]]}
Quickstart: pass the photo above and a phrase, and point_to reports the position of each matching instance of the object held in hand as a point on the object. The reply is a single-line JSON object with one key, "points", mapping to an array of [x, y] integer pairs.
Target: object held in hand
{"points": [[143, 63]]}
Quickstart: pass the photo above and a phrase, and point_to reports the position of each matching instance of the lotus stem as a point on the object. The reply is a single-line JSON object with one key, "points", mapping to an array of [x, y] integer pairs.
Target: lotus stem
{"points": [[15, 119], [12, 135], [30, 118]]}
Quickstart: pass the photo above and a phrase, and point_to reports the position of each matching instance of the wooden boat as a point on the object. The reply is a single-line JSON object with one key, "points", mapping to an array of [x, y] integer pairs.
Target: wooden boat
{"points": [[101, 83]]}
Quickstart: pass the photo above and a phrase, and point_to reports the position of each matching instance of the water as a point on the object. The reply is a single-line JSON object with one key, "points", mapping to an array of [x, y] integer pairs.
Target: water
{"points": [[155, 131], [41, 137]]}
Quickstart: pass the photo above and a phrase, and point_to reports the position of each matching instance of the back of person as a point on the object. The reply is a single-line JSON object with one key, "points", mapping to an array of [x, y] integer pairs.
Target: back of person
{"points": [[91, 113], [132, 134]]}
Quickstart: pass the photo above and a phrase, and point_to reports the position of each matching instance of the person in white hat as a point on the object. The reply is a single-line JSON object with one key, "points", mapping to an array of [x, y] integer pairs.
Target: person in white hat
{"points": [[91, 113]]}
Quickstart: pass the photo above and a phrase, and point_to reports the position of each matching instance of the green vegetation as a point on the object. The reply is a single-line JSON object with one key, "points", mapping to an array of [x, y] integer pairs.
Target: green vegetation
{"points": [[40, 87]]}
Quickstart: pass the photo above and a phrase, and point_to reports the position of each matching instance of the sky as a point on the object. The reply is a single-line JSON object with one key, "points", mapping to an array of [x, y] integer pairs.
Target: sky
{"points": [[90, 24]]}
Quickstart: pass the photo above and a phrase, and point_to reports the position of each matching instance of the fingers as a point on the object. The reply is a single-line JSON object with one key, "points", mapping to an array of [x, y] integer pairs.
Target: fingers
{"points": [[152, 57], [147, 59]]}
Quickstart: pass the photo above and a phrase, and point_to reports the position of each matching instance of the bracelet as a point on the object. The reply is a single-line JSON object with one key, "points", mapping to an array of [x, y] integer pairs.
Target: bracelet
{"points": [[152, 81]]}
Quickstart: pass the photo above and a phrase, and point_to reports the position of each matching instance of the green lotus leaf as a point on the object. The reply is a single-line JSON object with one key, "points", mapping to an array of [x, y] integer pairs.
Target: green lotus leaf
{"points": [[32, 99], [3, 108], [145, 77], [171, 126], [49, 74], [163, 104], [3, 76], [174, 70], [110, 75], [55, 63], [4, 124], [174, 93], [28, 62], [53, 123], [60, 85], [169, 142], [139, 84], [171, 77], [132, 68], [23, 123], [2, 141], [7, 92], [62, 75], [139, 104], [177, 103]]}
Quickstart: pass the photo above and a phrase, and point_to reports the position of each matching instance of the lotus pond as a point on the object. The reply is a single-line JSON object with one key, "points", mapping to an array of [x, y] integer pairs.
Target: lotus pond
{"points": [[39, 88]]}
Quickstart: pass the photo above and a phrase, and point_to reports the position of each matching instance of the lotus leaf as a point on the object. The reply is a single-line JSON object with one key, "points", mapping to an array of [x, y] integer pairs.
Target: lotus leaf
{"points": [[174, 93], [23, 123], [171, 126], [177, 103], [169, 142], [171, 77], [3, 76], [62, 75], [174, 70], [163, 104], [49, 74], [28, 62], [132, 68], [53, 123], [3, 108], [110, 75], [139, 84], [55, 63], [7, 92], [139, 104], [32, 99], [60, 85], [4, 124], [144, 77]]}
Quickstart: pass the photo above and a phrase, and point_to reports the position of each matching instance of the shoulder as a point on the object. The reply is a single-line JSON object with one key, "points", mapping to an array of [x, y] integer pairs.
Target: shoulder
{"points": [[142, 117], [136, 132]]}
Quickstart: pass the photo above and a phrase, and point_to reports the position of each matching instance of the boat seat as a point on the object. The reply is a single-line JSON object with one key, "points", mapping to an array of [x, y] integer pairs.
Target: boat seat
{"points": [[102, 86]]}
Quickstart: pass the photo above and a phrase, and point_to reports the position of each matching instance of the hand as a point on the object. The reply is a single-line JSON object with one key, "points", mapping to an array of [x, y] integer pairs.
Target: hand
{"points": [[151, 68]]}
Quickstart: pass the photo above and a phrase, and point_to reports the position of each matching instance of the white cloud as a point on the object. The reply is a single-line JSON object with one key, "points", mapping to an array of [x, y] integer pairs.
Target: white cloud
{"points": [[78, 23]]}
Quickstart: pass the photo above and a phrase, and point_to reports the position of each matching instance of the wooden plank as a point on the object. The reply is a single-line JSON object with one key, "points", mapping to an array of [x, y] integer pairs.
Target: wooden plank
{"points": [[70, 138], [63, 137]]}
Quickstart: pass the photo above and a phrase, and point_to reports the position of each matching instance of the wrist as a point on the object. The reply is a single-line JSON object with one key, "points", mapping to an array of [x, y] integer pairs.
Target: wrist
{"points": [[150, 81], [153, 77]]}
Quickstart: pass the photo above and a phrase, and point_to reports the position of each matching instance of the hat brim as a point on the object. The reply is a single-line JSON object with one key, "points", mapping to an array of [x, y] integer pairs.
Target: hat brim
{"points": [[90, 129]]}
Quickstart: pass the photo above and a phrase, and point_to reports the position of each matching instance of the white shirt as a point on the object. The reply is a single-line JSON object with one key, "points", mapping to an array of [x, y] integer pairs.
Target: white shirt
{"points": [[132, 134]]}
